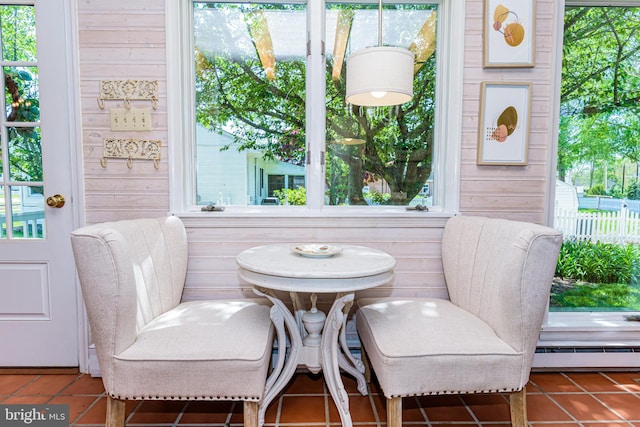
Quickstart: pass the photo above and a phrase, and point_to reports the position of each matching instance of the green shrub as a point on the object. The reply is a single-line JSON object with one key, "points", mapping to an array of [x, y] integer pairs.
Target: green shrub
{"points": [[377, 198], [597, 190], [289, 196], [598, 262], [633, 191]]}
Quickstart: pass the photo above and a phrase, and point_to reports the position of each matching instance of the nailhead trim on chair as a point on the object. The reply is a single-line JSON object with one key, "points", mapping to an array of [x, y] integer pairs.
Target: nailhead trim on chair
{"points": [[245, 398], [436, 393]]}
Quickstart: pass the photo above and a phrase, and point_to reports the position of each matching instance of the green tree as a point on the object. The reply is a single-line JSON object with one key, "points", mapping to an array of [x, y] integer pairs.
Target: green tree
{"points": [[268, 114], [600, 92], [633, 191]]}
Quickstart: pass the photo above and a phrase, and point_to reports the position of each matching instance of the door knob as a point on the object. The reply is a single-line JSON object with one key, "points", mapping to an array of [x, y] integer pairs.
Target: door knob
{"points": [[56, 201]]}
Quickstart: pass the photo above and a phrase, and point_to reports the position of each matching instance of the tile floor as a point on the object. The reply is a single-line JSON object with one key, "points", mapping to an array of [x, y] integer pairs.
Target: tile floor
{"points": [[595, 399]]}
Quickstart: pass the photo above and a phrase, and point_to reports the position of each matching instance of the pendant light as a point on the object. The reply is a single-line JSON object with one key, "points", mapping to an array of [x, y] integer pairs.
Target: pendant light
{"points": [[380, 76]]}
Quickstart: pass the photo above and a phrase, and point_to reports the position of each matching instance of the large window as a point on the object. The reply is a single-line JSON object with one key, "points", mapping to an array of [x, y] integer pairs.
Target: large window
{"points": [[270, 125], [598, 186]]}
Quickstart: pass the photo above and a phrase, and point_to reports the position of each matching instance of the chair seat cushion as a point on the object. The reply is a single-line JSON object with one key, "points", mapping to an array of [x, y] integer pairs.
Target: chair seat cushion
{"points": [[422, 346], [215, 349]]}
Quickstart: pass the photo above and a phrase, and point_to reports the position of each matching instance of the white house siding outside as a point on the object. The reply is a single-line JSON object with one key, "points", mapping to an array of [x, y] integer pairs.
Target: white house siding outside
{"points": [[232, 177]]}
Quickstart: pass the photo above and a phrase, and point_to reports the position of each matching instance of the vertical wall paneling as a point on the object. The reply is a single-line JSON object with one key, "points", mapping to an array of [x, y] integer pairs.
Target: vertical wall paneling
{"points": [[121, 40]]}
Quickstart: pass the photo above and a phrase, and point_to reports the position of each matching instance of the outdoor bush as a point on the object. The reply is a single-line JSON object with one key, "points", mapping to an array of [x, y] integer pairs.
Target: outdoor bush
{"points": [[377, 198], [597, 190], [290, 196], [633, 191], [598, 262]]}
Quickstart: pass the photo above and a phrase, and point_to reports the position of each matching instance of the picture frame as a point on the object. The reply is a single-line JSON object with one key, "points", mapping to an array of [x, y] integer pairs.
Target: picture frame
{"points": [[509, 33], [504, 124]]}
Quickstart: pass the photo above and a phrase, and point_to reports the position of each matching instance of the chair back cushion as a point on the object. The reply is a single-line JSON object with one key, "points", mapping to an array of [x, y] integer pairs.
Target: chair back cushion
{"points": [[130, 272], [501, 271]]}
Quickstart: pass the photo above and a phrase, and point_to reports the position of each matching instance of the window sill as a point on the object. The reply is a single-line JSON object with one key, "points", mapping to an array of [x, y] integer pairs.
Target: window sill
{"points": [[304, 212], [590, 329]]}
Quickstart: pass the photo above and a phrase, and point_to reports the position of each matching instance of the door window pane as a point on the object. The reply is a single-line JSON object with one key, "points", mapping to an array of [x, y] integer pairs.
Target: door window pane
{"points": [[25, 154], [18, 26], [27, 209], [21, 94]]}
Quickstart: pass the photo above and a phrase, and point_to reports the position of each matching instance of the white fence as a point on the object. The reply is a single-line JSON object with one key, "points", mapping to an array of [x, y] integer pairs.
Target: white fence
{"points": [[620, 226]]}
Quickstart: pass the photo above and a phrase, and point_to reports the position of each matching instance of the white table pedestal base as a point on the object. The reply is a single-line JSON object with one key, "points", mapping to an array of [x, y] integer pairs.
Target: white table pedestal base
{"points": [[324, 348]]}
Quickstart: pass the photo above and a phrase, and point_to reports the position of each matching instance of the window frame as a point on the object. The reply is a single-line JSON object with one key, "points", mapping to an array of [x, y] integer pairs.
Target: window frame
{"points": [[181, 116]]}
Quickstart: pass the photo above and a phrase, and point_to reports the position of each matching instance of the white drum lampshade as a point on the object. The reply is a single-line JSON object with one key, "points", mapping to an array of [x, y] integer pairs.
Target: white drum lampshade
{"points": [[380, 76]]}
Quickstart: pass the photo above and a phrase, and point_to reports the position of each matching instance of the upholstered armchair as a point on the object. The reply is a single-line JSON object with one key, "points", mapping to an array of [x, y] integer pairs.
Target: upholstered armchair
{"points": [[149, 344], [483, 338]]}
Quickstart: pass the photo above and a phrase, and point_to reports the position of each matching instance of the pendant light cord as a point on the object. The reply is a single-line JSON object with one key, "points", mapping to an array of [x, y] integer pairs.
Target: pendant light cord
{"points": [[380, 23]]}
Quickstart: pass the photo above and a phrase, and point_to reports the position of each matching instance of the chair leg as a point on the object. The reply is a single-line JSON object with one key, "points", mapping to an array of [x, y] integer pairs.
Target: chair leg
{"points": [[250, 414], [394, 412], [518, 404], [115, 412]]}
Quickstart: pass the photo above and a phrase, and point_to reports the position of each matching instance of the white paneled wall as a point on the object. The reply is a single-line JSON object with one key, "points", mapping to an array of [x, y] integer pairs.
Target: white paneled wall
{"points": [[414, 242]]}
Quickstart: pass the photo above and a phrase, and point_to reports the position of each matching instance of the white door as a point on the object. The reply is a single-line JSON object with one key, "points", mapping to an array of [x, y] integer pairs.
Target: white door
{"points": [[38, 298]]}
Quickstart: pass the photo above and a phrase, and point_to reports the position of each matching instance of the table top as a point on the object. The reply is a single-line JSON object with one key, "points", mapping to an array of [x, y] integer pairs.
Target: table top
{"points": [[279, 267]]}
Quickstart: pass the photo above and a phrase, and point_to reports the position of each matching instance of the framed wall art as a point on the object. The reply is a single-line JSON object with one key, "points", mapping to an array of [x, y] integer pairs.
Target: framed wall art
{"points": [[509, 33], [505, 115]]}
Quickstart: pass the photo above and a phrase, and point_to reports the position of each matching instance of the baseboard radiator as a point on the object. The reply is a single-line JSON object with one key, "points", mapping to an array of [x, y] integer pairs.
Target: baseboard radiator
{"points": [[587, 357]]}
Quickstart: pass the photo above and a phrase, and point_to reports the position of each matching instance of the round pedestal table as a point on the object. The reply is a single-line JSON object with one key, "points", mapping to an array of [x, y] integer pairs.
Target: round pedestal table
{"points": [[317, 341]]}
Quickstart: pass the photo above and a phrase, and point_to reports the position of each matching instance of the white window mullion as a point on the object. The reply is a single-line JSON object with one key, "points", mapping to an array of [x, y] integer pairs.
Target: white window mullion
{"points": [[316, 114]]}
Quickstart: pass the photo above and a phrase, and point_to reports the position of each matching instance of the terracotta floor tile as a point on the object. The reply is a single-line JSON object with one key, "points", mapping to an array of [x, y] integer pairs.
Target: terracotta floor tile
{"points": [[625, 405], [96, 414], [297, 409], [85, 385], [532, 388], [350, 384], [611, 424], [359, 407], [584, 407], [9, 384], [542, 408], [411, 410], [26, 400], [446, 408], [208, 412], [305, 403], [629, 380], [157, 411], [553, 383], [47, 384], [533, 424], [455, 425], [77, 404], [488, 407], [594, 382], [380, 402], [305, 384], [272, 411]]}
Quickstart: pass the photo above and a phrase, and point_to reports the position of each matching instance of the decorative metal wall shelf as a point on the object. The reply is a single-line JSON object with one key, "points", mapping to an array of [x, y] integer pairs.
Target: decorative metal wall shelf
{"points": [[128, 90], [131, 149]]}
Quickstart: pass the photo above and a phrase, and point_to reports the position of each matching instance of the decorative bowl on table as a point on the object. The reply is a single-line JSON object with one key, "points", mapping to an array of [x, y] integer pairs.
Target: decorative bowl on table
{"points": [[316, 250]]}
